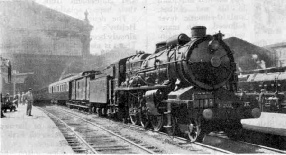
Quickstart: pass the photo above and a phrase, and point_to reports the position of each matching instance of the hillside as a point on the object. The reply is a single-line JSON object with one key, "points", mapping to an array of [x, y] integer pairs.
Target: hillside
{"points": [[249, 56]]}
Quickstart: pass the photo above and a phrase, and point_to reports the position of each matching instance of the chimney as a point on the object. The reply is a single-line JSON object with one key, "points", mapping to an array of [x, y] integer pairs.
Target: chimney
{"points": [[198, 31]]}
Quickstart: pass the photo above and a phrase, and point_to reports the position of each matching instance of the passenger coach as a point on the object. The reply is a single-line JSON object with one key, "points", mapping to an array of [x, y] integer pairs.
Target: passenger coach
{"points": [[59, 91]]}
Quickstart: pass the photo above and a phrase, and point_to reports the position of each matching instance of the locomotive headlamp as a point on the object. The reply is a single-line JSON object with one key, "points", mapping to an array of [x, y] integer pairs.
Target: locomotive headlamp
{"points": [[213, 45], [256, 113], [208, 114]]}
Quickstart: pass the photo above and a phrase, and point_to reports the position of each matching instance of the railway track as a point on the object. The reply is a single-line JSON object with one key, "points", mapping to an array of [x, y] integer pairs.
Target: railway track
{"points": [[78, 144], [223, 144], [87, 137], [214, 143]]}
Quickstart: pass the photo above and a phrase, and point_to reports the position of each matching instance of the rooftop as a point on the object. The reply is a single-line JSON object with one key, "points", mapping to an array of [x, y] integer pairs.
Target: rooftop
{"points": [[282, 44]]}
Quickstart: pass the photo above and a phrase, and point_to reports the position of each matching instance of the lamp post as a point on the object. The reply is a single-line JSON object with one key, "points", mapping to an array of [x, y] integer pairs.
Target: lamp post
{"points": [[17, 78], [5, 65]]}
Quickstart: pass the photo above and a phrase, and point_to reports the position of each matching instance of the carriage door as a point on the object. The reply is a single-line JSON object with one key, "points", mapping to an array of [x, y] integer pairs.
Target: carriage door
{"points": [[87, 88], [72, 88]]}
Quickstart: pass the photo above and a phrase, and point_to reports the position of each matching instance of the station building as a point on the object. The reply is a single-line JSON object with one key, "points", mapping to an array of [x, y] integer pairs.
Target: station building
{"points": [[278, 52], [43, 41]]}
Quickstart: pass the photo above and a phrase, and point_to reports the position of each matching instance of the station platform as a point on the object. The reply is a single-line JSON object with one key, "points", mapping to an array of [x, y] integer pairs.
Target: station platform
{"points": [[272, 123], [31, 134]]}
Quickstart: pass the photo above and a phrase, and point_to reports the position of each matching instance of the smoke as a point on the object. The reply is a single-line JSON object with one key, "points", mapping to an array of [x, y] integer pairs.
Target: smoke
{"points": [[260, 63], [238, 67]]}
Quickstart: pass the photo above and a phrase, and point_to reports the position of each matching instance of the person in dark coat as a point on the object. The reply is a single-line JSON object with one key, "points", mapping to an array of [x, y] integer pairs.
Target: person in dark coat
{"points": [[2, 103], [5, 103], [261, 99], [30, 100]]}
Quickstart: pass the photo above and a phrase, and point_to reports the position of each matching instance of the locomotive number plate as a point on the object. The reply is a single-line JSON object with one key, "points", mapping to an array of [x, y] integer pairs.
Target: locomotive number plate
{"points": [[246, 104], [227, 105]]}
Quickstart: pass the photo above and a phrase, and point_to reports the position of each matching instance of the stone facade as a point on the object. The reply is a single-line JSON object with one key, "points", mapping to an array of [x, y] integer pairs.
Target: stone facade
{"points": [[41, 40], [278, 51]]}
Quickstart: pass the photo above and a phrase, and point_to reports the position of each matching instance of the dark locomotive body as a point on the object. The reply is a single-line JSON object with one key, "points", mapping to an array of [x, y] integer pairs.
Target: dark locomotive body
{"points": [[267, 86], [187, 84]]}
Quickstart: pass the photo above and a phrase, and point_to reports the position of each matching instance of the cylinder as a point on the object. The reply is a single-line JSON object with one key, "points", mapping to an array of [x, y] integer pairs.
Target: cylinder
{"points": [[255, 113], [180, 39]]}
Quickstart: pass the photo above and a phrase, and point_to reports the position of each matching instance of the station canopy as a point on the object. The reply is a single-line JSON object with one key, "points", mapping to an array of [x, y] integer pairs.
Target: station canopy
{"points": [[266, 77]]}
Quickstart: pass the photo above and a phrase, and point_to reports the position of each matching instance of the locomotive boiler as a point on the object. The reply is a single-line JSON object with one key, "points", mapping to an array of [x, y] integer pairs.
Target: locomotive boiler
{"points": [[187, 85]]}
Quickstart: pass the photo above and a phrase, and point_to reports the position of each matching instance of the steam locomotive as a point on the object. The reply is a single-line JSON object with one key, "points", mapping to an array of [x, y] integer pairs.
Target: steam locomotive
{"points": [[188, 84], [268, 86]]}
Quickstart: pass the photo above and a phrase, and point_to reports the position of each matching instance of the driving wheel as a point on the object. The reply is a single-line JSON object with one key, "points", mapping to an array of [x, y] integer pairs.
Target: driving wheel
{"points": [[143, 115], [195, 131], [171, 130], [157, 122], [134, 115]]}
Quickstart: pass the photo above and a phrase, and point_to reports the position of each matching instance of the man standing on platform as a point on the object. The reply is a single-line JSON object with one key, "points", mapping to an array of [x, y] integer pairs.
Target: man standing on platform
{"points": [[2, 104], [29, 98]]}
